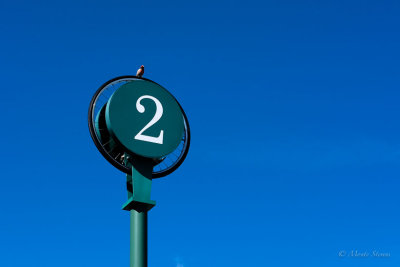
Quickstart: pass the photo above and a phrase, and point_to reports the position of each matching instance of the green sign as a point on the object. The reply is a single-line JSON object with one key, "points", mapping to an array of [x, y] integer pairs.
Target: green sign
{"points": [[140, 128], [145, 119]]}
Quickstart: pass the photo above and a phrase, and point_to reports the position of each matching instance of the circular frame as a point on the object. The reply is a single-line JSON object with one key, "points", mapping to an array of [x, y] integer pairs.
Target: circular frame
{"points": [[111, 159]]}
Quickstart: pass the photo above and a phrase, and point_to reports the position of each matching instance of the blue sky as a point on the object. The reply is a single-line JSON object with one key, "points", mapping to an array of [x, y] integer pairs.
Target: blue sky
{"points": [[294, 112]]}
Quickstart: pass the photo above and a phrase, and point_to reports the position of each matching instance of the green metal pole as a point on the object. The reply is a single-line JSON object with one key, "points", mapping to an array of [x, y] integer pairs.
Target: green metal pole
{"points": [[138, 204], [138, 239]]}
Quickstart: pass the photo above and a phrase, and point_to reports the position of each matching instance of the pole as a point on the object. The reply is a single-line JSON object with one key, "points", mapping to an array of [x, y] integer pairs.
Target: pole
{"points": [[138, 249], [138, 204]]}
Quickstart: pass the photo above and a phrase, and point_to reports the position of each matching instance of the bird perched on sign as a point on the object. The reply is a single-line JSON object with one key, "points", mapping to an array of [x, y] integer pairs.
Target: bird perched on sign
{"points": [[140, 72]]}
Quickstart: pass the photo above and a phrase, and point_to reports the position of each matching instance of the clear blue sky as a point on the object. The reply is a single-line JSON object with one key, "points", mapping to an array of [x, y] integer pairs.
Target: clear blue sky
{"points": [[294, 111]]}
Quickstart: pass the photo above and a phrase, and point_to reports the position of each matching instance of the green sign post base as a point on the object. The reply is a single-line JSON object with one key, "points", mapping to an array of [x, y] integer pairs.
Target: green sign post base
{"points": [[139, 203], [139, 185]]}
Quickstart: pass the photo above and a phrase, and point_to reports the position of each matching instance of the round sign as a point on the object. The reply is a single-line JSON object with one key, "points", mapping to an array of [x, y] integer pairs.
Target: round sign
{"points": [[145, 119]]}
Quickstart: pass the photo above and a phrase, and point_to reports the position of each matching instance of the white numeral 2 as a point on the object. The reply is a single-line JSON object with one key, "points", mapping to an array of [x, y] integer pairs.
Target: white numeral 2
{"points": [[157, 116]]}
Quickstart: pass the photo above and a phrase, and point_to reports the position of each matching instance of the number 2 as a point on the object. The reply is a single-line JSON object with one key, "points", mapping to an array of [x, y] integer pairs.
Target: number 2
{"points": [[157, 117]]}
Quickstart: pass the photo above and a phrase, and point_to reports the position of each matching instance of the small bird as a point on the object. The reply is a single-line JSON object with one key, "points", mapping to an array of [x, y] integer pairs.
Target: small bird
{"points": [[140, 72]]}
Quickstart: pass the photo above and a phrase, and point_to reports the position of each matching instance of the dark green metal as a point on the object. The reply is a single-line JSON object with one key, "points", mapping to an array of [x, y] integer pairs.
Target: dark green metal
{"points": [[139, 185], [138, 253], [139, 203]]}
